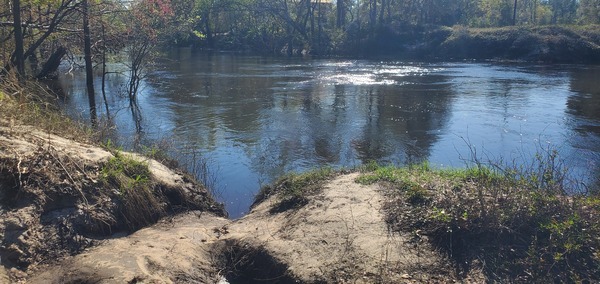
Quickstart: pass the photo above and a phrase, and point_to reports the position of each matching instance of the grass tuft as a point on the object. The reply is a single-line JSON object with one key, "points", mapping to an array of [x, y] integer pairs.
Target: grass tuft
{"points": [[293, 190], [126, 172], [140, 205]]}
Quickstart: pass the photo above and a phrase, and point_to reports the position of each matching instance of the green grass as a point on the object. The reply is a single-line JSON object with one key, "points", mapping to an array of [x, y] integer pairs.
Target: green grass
{"points": [[125, 172], [139, 198], [522, 229], [292, 190]]}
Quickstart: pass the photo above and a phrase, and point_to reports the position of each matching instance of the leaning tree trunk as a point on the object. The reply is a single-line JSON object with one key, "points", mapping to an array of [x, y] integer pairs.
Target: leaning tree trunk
{"points": [[104, 72], [49, 68]]}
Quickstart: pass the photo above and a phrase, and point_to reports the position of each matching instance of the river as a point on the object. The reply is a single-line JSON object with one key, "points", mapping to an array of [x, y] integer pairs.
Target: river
{"points": [[251, 119]]}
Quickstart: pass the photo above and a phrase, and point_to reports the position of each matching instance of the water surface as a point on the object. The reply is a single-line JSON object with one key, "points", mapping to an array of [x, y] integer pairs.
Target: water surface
{"points": [[256, 118]]}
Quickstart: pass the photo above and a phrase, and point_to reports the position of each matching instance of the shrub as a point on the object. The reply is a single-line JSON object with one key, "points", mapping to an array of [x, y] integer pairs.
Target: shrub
{"points": [[517, 223]]}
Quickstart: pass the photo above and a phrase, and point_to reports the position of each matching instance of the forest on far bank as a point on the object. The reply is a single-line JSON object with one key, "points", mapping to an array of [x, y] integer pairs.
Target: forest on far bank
{"points": [[44, 32]]}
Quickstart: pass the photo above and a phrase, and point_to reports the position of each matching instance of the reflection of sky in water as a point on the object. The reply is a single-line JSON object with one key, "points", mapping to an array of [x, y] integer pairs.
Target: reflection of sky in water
{"points": [[255, 118]]}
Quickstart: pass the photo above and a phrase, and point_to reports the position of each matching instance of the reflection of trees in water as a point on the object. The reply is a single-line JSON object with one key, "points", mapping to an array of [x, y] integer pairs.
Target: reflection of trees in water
{"points": [[368, 146], [136, 115], [71, 90], [584, 104], [402, 122], [210, 94], [585, 101], [340, 124]]}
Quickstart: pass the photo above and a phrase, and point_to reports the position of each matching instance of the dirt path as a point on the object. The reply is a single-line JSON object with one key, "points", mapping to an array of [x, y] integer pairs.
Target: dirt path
{"points": [[340, 236], [176, 250]]}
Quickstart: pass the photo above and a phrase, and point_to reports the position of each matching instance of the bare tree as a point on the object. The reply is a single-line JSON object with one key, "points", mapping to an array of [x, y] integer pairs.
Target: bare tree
{"points": [[89, 71]]}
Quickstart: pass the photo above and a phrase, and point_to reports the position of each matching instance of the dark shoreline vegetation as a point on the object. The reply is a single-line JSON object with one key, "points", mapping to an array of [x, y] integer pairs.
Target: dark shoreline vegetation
{"points": [[535, 44], [37, 38], [548, 44]]}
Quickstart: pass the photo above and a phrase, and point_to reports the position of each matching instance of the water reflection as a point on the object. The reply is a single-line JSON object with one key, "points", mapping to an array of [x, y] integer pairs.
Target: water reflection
{"points": [[259, 117], [584, 106], [585, 101]]}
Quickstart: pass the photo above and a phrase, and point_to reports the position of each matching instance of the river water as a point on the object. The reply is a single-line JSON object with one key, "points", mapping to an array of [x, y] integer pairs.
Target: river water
{"points": [[255, 118]]}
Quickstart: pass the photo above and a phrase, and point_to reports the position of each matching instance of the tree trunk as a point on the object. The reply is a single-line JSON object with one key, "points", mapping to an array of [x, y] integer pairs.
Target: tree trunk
{"points": [[383, 4], [89, 72], [535, 12], [19, 57], [341, 14], [104, 72], [208, 30], [52, 64], [515, 14], [372, 14]]}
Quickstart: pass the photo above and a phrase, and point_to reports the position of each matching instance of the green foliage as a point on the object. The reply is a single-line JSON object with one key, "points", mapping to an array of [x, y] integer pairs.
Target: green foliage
{"points": [[380, 174], [400, 178], [126, 173], [159, 152], [415, 193], [271, 26], [140, 203], [589, 12], [479, 174], [111, 146], [440, 215], [199, 34], [371, 166], [496, 13]]}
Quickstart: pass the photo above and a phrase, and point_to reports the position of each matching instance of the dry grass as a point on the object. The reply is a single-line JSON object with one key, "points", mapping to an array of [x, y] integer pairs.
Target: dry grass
{"points": [[55, 200], [32, 103]]}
